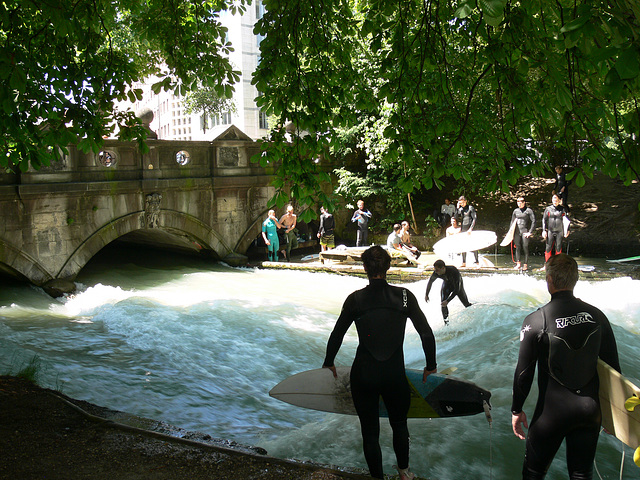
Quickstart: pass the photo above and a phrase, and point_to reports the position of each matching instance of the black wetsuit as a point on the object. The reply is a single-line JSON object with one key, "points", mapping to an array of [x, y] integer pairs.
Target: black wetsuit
{"points": [[568, 404], [380, 313], [452, 285], [562, 189], [520, 216], [468, 215], [552, 223]]}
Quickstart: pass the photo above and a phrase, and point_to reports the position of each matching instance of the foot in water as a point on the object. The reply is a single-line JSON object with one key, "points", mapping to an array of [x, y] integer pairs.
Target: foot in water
{"points": [[404, 473]]}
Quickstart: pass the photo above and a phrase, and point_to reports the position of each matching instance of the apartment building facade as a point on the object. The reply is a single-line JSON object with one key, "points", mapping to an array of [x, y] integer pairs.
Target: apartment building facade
{"points": [[171, 122]]}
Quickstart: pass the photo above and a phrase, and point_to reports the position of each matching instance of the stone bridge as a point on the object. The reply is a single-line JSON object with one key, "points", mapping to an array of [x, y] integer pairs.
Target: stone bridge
{"points": [[198, 196]]}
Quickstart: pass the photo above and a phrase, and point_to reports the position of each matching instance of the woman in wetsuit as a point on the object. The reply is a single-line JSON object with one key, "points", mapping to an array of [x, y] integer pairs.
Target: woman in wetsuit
{"points": [[564, 339], [525, 223], [553, 227], [380, 312]]}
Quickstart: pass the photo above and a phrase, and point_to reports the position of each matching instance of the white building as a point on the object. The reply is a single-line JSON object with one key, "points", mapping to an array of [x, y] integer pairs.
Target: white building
{"points": [[172, 123]]}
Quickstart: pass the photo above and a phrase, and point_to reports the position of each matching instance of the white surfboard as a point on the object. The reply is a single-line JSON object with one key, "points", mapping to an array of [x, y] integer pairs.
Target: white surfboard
{"points": [[623, 260], [615, 390], [566, 221], [465, 242], [440, 396], [508, 238]]}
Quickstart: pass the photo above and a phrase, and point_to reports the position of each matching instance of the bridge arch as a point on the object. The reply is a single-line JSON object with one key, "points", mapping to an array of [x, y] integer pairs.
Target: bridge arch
{"points": [[22, 265], [172, 222], [250, 234]]}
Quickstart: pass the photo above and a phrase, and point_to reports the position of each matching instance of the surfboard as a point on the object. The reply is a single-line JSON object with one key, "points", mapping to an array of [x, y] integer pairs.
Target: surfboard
{"points": [[440, 396], [508, 238], [566, 221], [465, 242], [628, 259], [615, 390]]}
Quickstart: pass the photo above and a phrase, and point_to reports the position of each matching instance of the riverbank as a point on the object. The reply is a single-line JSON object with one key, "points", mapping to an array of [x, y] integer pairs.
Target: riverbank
{"points": [[45, 434], [591, 269]]}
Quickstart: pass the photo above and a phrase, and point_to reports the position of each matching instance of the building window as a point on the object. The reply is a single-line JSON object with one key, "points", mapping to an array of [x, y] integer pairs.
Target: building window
{"points": [[226, 118], [263, 122]]}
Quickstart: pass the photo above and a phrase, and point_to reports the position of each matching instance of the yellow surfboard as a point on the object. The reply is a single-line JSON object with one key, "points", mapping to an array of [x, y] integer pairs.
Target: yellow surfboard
{"points": [[615, 391]]}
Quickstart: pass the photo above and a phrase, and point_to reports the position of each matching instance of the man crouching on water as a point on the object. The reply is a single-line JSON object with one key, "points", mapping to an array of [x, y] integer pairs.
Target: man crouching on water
{"points": [[380, 313], [565, 338]]}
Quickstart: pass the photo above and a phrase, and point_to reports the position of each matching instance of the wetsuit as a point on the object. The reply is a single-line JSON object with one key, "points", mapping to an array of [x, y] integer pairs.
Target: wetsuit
{"points": [[451, 286], [520, 216], [362, 218], [468, 215], [380, 313], [552, 223], [562, 189], [327, 225], [565, 339], [271, 229]]}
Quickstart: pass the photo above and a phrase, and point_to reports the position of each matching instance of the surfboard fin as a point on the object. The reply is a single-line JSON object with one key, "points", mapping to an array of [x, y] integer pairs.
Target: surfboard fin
{"points": [[448, 371], [487, 411], [631, 403]]}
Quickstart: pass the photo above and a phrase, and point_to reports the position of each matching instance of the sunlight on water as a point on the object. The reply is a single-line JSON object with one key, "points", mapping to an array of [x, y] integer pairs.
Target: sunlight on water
{"points": [[200, 347]]}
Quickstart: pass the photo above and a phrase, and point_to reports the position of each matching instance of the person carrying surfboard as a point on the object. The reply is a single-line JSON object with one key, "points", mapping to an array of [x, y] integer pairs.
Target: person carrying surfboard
{"points": [[380, 312], [525, 223], [468, 215], [452, 286], [564, 338]]}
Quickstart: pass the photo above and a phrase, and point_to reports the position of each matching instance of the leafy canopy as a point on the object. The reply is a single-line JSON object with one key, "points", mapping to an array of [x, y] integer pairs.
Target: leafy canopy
{"points": [[483, 91], [65, 63]]}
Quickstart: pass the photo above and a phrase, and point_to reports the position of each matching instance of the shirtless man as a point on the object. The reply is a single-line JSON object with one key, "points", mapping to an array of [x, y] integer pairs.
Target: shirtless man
{"points": [[289, 221]]}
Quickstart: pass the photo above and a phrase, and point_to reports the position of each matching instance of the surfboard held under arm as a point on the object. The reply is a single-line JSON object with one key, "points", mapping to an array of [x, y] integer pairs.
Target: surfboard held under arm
{"points": [[508, 238], [465, 242], [440, 396], [616, 394]]}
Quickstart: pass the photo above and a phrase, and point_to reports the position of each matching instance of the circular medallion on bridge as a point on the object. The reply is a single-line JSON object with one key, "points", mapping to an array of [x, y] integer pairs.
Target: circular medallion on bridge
{"points": [[183, 157], [107, 158]]}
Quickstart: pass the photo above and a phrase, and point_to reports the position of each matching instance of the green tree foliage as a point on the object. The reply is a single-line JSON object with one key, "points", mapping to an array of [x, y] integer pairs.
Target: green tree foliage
{"points": [[64, 64], [483, 91], [207, 101]]}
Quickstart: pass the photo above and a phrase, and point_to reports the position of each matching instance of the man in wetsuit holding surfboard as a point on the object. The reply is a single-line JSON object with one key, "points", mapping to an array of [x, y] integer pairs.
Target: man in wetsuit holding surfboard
{"points": [[380, 312], [564, 338], [468, 215]]}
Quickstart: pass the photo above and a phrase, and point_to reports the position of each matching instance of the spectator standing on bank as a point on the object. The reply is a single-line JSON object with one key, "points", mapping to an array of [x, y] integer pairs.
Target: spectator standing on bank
{"points": [[270, 235], [525, 223], [561, 187], [468, 215], [361, 217], [289, 220], [326, 230]]}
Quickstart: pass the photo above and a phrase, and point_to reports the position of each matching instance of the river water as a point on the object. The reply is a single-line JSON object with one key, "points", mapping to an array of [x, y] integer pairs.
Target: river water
{"points": [[199, 345]]}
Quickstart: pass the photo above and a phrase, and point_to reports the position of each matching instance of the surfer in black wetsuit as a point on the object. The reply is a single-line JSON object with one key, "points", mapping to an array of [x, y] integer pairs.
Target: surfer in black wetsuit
{"points": [[380, 313], [561, 187], [564, 338], [525, 223], [553, 227], [451, 286], [468, 215]]}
